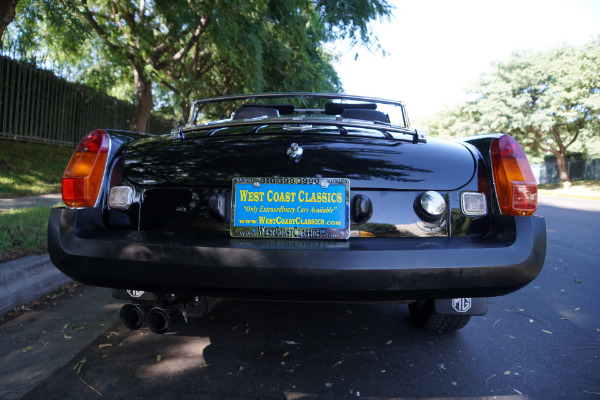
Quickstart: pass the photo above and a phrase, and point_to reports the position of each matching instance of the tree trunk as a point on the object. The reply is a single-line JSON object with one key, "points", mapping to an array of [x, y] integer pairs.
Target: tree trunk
{"points": [[144, 103], [7, 14], [185, 111], [561, 163]]}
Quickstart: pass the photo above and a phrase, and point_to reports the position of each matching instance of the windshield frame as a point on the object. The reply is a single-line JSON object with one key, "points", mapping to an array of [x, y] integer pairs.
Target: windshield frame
{"points": [[196, 105]]}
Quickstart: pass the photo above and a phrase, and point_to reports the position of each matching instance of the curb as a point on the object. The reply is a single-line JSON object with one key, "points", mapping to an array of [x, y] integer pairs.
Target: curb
{"points": [[554, 193], [27, 279]]}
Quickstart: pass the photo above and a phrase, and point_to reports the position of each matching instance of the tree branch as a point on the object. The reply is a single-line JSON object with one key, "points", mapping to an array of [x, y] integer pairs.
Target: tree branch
{"points": [[181, 53], [115, 16], [541, 143], [574, 138], [170, 87], [205, 70], [87, 14], [559, 141], [578, 127], [164, 47]]}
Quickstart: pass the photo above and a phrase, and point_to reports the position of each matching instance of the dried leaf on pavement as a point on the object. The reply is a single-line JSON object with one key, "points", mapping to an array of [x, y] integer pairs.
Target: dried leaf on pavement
{"points": [[77, 370], [77, 367]]}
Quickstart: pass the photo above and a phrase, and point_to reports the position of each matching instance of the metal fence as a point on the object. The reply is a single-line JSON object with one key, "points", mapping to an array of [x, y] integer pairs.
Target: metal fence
{"points": [[35, 105], [578, 170]]}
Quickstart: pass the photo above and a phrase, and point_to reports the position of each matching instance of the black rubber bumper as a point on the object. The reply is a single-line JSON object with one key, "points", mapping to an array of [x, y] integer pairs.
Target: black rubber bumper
{"points": [[359, 269]]}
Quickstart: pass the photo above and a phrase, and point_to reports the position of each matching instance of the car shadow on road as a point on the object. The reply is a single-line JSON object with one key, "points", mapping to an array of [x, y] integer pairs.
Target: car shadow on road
{"points": [[273, 350]]}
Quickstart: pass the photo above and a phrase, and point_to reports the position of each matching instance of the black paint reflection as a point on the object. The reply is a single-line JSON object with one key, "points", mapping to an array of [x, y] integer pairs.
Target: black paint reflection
{"points": [[368, 162]]}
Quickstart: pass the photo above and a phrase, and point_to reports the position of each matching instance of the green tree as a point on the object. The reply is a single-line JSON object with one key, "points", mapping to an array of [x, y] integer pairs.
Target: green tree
{"points": [[198, 49], [547, 100], [7, 14]]}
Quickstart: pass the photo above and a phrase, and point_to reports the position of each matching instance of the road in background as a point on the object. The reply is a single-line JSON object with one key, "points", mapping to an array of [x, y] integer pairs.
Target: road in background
{"points": [[542, 342]]}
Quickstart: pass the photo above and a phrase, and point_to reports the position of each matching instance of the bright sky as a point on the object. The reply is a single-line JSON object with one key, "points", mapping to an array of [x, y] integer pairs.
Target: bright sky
{"points": [[439, 47]]}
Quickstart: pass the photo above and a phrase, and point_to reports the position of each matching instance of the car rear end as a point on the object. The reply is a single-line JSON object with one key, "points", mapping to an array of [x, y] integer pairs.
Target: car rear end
{"points": [[333, 212]]}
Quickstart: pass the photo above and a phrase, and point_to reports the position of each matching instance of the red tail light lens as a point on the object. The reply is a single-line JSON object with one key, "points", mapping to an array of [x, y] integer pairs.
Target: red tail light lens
{"points": [[83, 176], [515, 184]]}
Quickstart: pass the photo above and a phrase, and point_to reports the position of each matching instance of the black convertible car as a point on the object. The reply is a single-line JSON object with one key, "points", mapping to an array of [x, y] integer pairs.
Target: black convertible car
{"points": [[298, 196]]}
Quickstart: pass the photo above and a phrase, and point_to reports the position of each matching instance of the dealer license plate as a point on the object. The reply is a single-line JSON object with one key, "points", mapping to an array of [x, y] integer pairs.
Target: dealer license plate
{"points": [[291, 208]]}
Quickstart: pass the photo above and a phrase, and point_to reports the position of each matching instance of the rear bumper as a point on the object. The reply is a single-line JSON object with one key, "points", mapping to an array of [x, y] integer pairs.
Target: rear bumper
{"points": [[360, 269]]}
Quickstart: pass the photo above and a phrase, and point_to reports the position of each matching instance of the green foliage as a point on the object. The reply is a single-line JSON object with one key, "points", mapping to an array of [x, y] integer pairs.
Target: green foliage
{"points": [[347, 18], [23, 232], [190, 49], [28, 169], [547, 100], [53, 36]]}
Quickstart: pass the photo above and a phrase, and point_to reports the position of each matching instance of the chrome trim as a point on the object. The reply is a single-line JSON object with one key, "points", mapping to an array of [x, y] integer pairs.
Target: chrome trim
{"points": [[195, 104], [353, 123]]}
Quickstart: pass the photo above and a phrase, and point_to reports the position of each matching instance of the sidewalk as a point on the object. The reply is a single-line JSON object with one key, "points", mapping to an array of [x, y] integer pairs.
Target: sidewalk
{"points": [[36, 343], [31, 201]]}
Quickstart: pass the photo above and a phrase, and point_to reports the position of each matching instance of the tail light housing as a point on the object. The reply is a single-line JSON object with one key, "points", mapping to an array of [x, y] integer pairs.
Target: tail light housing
{"points": [[83, 176], [516, 186]]}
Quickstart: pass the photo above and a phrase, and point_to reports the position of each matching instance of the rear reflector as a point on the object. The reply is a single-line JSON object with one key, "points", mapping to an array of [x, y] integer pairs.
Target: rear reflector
{"points": [[83, 176], [516, 186], [120, 197], [473, 203]]}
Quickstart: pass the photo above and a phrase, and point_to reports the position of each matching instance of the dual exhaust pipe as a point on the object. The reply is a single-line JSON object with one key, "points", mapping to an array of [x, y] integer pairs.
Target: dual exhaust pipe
{"points": [[158, 320]]}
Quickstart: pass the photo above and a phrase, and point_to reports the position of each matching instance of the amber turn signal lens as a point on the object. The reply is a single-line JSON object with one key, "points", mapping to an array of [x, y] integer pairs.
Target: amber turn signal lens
{"points": [[516, 186], [83, 176]]}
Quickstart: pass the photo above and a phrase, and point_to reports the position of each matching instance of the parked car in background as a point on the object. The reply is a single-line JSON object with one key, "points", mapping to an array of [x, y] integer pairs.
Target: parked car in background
{"points": [[298, 196]]}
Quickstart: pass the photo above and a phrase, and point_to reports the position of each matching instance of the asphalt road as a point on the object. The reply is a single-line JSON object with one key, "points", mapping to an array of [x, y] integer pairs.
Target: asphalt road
{"points": [[542, 342]]}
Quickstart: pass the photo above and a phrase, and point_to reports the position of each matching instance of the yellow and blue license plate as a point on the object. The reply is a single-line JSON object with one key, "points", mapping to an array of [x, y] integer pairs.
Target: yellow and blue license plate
{"points": [[290, 208]]}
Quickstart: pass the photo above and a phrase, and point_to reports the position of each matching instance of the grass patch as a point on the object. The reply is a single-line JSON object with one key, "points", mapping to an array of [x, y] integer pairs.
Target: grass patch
{"points": [[29, 169], [591, 185], [23, 232]]}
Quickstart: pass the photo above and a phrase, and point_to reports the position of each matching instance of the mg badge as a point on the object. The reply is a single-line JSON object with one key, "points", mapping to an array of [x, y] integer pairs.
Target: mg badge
{"points": [[295, 152], [135, 293], [461, 305]]}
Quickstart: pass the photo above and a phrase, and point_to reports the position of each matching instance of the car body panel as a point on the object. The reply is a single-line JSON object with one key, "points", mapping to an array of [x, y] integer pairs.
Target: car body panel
{"points": [[368, 162], [382, 269], [174, 240]]}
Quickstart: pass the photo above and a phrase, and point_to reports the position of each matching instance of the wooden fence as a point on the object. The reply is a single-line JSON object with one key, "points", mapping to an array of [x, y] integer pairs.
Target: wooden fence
{"points": [[35, 105]]}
